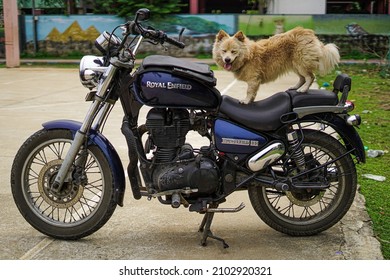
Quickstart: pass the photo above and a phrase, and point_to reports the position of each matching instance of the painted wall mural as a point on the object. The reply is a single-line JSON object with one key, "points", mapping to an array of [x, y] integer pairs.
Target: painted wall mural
{"points": [[74, 32], [78, 27], [88, 27], [352, 24], [255, 25], [61, 35]]}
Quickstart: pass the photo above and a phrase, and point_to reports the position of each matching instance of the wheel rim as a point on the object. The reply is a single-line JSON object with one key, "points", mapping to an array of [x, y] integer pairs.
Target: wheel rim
{"points": [[76, 203], [308, 207]]}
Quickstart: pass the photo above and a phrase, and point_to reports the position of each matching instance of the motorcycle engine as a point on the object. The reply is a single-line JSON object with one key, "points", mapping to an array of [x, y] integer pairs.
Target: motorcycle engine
{"points": [[176, 165]]}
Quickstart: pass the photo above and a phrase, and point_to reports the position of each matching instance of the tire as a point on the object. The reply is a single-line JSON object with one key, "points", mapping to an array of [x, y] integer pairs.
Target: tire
{"points": [[309, 212], [81, 208]]}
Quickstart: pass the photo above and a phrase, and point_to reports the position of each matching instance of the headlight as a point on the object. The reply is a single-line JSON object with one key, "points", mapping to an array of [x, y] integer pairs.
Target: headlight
{"points": [[107, 41], [90, 68]]}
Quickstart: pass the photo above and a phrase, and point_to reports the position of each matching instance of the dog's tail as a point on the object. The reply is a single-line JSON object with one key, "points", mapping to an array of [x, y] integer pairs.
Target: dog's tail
{"points": [[329, 59]]}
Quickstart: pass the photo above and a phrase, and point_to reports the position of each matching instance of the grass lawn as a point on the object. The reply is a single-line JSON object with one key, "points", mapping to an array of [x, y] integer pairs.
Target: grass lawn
{"points": [[371, 95]]}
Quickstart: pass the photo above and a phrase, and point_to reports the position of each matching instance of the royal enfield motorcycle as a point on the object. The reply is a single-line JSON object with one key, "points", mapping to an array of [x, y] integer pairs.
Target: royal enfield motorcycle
{"points": [[294, 153]]}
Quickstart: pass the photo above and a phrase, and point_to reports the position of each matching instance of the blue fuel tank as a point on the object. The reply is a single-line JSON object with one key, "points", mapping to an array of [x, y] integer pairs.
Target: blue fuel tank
{"points": [[164, 81]]}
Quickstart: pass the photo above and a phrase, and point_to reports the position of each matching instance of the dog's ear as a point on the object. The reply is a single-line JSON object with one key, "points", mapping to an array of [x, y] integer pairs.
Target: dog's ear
{"points": [[221, 35], [240, 36]]}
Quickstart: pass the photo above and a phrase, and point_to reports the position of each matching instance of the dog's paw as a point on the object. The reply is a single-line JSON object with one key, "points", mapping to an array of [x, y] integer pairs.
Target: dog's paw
{"points": [[245, 101], [302, 90]]}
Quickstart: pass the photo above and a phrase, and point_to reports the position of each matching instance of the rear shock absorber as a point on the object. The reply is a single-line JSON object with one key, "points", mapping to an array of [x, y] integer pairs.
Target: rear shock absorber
{"points": [[296, 149]]}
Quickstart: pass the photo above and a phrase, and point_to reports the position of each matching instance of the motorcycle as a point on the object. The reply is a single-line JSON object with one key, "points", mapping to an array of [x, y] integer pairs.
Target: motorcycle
{"points": [[294, 153]]}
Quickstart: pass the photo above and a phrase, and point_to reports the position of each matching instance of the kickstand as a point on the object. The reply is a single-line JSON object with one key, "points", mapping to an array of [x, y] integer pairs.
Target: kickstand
{"points": [[205, 228]]}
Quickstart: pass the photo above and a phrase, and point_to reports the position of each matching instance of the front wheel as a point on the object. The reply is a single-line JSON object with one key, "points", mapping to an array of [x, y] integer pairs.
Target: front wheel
{"points": [[308, 211], [85, 202]]}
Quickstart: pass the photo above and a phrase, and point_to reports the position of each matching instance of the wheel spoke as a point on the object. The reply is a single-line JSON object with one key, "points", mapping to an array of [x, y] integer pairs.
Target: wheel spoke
{"points": [[288, 210]]}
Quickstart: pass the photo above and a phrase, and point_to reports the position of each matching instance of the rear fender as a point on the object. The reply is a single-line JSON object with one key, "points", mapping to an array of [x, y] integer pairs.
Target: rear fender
{"points": [[347, 132], [98, 139]]}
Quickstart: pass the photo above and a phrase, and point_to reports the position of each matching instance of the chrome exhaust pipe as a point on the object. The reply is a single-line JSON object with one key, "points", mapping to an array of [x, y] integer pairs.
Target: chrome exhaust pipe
{"points": [[267, 156]]}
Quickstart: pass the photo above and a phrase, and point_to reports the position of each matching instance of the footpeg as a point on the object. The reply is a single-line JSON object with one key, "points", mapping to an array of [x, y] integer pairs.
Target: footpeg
{"points": [[176, 201], [226, 210]]}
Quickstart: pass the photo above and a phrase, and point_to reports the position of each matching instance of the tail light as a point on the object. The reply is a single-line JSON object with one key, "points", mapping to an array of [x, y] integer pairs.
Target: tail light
{"points": [[350, 105]]}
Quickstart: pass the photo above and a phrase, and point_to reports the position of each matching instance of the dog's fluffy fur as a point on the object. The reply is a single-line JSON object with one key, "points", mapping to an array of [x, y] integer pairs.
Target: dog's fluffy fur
{"points": [[263, 61]]}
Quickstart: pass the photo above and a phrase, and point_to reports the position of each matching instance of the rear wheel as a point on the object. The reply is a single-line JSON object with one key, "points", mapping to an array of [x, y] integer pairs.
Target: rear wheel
{"points": [[85, 202], [308, 211]]}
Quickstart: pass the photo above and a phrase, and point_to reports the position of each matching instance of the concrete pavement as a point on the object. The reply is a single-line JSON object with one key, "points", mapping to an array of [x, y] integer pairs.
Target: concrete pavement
{"points": [[146, 229]]}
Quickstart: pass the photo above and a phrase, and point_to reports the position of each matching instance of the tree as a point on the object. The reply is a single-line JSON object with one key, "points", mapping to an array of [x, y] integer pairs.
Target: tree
{"points": [[126, 8], [122, 8], [68, 6]]}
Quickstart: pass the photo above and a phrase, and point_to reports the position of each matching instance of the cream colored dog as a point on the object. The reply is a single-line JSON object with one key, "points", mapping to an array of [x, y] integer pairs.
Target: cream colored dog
{"points": [[263, 61]]}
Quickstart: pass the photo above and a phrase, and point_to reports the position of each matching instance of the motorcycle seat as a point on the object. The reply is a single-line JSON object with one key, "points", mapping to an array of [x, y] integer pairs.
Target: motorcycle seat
{"points": [[259, 115], [313, 97]]}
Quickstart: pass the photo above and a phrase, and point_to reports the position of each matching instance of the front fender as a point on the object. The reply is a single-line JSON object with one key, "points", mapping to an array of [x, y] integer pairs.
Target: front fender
{"points": [[98, 139], [347, 132]]}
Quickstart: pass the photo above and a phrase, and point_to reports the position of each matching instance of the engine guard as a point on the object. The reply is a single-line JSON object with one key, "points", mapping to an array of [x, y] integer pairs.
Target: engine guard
{"points": [[98, 139]]}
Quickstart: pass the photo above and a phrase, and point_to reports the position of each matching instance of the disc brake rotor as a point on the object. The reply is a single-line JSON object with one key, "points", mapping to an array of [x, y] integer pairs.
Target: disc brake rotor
{"points": [[70, 194]]}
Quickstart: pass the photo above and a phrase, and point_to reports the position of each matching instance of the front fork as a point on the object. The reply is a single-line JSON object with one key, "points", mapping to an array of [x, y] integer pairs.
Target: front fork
{"points": [[82, 133]]}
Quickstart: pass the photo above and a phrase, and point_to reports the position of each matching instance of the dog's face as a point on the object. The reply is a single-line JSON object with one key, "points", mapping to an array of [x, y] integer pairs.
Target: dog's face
{"points": [[229, 51]]}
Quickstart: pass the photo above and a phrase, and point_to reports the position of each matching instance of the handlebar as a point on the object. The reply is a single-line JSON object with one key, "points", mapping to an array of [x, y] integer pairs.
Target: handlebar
{"points": [[175, 42], [155, 35]]}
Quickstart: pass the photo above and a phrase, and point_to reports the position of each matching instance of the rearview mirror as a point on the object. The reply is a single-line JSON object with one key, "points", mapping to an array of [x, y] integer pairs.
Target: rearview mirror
{"points": [[142, 15]]}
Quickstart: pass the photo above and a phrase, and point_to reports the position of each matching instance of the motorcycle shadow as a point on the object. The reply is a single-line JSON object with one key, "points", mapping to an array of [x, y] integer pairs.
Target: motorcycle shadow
{"points": [[139, 232]]}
